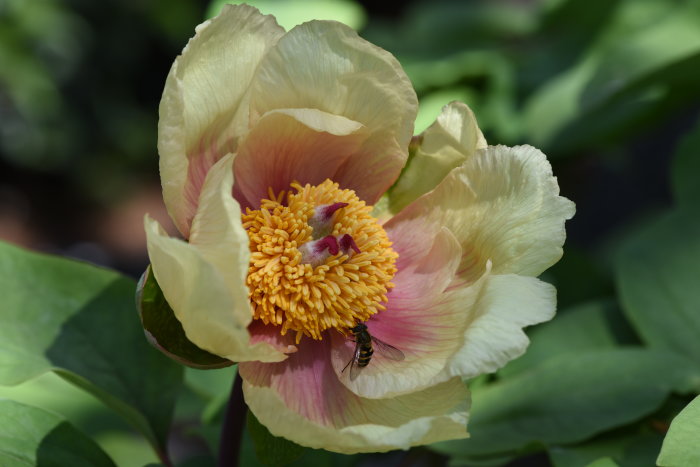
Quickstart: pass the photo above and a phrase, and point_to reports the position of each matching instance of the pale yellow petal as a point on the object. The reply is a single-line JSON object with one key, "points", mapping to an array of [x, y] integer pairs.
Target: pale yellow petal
{"points": [[493, 326], [201, 300], [219, 236], [446, 144], [503, 205], [325, 65], [302, 400], [204, 105], [376, 425]]}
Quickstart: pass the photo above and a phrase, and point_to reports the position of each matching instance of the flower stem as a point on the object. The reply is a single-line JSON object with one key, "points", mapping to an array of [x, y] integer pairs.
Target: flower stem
{"points": [[232, 429]]}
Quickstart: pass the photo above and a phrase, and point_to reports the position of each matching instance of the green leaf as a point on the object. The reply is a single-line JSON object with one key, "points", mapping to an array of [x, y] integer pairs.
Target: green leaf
{"points": [[568, 399], [657, 275], [685, 168], [310, 457], [651, 51], [213, 388], [31, 436], [682, 443], [165, 332], [629, 448], [87, 414], [643, 66], [591, 326], [270, 449], [293, 12], [80, 321], [603, 462]]}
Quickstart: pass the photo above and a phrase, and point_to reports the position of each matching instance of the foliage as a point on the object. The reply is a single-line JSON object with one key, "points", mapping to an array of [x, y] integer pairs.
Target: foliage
{"points": [[608, 90], [681, 445]]}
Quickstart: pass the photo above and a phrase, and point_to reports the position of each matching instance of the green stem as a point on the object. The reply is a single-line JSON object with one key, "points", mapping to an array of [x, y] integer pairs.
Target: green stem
{"points": [[232, 429]]}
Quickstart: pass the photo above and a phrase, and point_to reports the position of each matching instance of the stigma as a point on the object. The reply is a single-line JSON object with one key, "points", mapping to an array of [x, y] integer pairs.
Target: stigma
{"points": [[319, 260]]}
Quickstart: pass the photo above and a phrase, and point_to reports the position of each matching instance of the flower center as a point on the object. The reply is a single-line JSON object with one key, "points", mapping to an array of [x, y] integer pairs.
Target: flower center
{"points": [[319, 261]]}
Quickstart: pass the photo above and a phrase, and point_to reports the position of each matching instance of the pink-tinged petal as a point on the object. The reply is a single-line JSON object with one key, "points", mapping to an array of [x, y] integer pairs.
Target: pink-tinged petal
{"points": [[201, 300], [326, 66], [302, 400], [417, 322], [204, 107], [303, 145], [372, 170], [503, 205], [261, 332], [218, 233], [446, 144], [494, 335]]}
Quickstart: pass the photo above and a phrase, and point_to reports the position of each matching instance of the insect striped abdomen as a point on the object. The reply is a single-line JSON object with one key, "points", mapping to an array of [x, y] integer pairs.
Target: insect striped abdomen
{"points": [[365, 354]]}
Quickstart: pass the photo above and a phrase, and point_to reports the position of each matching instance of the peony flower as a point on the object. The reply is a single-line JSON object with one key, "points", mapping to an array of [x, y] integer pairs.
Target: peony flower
{"points": [[279, 158]]}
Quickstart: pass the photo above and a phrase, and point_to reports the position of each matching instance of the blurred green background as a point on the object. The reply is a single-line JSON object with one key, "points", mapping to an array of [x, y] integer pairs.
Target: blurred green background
{"points": [[608, 89]]}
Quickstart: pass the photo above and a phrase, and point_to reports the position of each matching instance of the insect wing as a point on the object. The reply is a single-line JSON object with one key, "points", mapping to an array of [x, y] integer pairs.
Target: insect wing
{"points": [[354, 369], [387, 351]]}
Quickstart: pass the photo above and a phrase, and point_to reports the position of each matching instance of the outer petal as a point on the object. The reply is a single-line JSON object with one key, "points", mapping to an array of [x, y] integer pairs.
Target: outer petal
{"points": [[304, 145], [302, 400], [218, 234], [493, 335], [416, 321], [325, 65], [502, 205], [203, 281], [446, 144], [204, 105]]}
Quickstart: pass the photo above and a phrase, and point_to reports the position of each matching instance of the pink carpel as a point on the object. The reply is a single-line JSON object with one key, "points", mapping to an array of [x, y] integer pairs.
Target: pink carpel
{"points": [[346, 243]]}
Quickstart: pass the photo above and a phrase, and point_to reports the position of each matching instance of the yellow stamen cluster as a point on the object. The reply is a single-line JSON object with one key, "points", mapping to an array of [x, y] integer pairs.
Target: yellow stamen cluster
{"points": [[345, 289]]}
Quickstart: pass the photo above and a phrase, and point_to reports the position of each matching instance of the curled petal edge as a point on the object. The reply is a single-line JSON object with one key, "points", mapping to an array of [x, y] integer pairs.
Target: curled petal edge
{"points": [[200, 299], [367, 436]]}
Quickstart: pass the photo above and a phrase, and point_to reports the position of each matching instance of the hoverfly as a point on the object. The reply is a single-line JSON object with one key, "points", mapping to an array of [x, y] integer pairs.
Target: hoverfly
{"points": [[364, 350]]}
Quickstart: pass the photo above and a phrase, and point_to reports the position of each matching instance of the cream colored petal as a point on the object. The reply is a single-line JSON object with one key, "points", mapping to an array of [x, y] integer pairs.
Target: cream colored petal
{"points": [[218, 234], [302, 400], [204, 105], [325, 65], [201, 300], [493, 333], [503, 205], [446, 144], [303, 145]]}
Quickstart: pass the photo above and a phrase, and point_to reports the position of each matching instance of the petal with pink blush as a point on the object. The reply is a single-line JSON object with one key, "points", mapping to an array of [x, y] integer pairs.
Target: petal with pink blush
{"points": [[204, 105], [303, 145], [415, 322], [302, 400], [372, 169], [217, 232], [503, 205], [326, 66], [261, 332]]}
